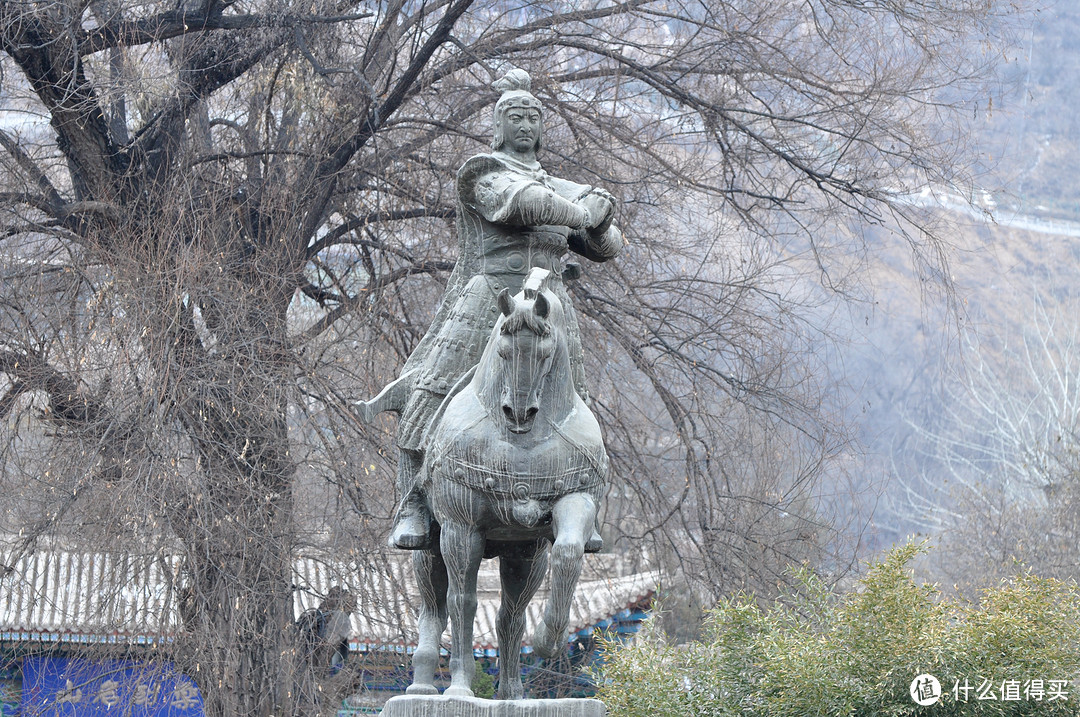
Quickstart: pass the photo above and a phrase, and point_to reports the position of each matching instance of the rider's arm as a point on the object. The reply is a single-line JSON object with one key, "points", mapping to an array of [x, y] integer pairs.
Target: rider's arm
{"points": [[596, 247], [503, 198], [535, 204]]}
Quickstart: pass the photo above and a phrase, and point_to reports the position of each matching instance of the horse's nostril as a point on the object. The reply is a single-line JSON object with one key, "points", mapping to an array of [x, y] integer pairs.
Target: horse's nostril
{"points": [[508, 412], [531, 413]]}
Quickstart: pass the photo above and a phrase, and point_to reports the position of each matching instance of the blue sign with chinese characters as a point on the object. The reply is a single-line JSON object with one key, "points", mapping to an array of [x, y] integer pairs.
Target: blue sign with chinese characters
{"points": [[10, 690], [59, 686]]}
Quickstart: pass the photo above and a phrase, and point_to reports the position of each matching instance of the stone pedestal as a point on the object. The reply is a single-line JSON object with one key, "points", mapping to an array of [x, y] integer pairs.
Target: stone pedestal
{"points": [[442, 706]]}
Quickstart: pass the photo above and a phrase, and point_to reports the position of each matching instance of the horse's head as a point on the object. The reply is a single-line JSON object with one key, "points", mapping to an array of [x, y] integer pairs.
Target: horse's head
{"points": [[526, 346]]}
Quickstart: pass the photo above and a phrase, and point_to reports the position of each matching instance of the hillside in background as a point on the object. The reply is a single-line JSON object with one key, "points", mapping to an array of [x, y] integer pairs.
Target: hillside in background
{"points": [[911, 361], [1031, 135]]}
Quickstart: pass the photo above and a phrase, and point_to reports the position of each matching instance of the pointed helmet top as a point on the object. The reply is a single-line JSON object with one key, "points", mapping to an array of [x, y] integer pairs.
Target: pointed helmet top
{"points": [[515, 86]]}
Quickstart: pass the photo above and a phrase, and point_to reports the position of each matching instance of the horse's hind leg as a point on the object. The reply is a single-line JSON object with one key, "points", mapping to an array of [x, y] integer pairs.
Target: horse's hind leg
{"points": [[462, 549], [572, 519], [431, 580], [521, 571]]}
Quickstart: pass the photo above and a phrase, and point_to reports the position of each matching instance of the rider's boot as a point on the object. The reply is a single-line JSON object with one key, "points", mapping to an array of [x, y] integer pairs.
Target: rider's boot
{"points": [[412, 524], [595, 543], [412, 521]]}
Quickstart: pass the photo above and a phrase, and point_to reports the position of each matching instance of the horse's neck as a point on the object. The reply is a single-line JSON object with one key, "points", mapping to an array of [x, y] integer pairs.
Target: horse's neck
{"points": [[559, 396], [487, 384]]}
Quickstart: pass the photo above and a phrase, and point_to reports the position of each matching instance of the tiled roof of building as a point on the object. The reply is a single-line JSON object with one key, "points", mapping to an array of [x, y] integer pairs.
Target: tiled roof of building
{"points": [[59, 595]]}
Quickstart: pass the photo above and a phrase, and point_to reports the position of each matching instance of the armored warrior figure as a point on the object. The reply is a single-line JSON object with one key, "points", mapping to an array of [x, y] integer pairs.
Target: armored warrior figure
{"points": [[511, 216]]}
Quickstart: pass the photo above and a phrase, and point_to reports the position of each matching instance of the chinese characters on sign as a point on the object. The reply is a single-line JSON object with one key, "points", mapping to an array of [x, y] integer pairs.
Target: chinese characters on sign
{"points": [[10, 692], [926, 690], [89, 688], [1011, 690]]}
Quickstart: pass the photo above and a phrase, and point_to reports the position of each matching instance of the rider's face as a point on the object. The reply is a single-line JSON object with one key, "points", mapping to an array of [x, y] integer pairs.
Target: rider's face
{"points": [[521, 129]]}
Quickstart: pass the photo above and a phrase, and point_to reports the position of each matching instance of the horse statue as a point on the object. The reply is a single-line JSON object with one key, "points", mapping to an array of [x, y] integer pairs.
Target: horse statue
{"points": [[515, 468]]}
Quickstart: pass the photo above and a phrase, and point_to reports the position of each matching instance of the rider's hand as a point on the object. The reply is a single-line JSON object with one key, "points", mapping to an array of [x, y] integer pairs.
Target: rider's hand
{"points": [[601, 209]]}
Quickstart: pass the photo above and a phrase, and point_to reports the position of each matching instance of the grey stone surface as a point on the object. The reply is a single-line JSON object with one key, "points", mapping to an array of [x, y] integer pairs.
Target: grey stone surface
{"points": [[441, 706]]}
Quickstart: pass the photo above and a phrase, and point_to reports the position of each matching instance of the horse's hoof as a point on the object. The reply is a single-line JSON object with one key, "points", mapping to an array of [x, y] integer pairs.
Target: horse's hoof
{"points": [[458, 692], [594, 544], [544, 643], [419, 689], [514, 693]]}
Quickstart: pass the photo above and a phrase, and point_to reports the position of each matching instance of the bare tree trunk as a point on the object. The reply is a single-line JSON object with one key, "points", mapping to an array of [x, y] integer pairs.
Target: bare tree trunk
{"points": [[237, 526]]}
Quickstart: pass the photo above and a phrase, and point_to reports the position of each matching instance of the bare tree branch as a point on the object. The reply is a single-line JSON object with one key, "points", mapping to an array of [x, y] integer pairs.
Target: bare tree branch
{"points": [[178, 23]]}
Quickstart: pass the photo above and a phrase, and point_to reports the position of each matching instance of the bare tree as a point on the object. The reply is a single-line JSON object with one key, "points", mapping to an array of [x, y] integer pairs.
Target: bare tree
{"points": [[223, 222], [1000, 465]]}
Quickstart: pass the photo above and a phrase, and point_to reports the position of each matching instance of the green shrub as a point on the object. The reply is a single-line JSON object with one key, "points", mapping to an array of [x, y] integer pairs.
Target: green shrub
{"points": [[819, 653], [483, 684]]}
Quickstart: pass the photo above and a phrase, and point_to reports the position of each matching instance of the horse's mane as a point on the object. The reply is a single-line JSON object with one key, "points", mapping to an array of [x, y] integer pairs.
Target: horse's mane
{"points": [[531, 289], [525, 317]]}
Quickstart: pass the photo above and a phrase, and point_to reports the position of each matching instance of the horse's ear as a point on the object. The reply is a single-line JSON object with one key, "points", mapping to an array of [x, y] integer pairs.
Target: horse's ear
{"points": [[506, 302], [542, 307]]}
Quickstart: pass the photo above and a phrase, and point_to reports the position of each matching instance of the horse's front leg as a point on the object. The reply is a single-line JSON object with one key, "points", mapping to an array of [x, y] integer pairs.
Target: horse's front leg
{"points": [[431, 580], [462, 549], [572, 519], [521, 573]]}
